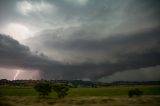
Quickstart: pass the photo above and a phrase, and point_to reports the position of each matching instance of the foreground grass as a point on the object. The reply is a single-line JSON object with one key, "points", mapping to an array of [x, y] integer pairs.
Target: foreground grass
{"points": [[81, 92], [80, 101], [108, 96]]}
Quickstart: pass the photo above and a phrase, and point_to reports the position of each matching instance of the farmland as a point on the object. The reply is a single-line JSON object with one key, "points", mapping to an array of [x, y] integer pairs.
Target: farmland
{"points": [[77, 92], [104, 96]]}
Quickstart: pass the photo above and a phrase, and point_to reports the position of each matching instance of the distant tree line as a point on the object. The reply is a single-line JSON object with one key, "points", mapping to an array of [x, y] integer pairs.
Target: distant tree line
{"points": [[73, 83]]}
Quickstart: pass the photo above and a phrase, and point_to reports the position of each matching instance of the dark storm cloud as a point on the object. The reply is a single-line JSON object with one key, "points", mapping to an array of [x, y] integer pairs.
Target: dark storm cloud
{"points": [[111, 37], [82, 38], [13, 54], [102, 57], [78, 42], [104, 15], [111, 14], [11, 50], [143, 74]]}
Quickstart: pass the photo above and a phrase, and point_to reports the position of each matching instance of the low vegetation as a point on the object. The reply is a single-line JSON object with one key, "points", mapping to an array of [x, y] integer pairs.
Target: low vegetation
{"points": [[135, 92], [43, 89], [61, 90], [80, 101], [105, 96]]}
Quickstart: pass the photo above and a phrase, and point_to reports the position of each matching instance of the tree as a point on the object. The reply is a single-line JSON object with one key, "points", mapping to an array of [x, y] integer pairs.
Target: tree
{"points": [[43, 88], [135, 92], [61, 90]]}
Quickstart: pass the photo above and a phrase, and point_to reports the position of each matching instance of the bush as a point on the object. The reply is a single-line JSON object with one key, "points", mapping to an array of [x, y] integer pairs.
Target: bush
{"points": [[43, 88], [61, 90], [135, 92]]}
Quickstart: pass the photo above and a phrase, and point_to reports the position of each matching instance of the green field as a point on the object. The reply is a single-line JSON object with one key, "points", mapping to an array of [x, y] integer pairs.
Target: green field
{"points": [[108, 96], [78, 92]]}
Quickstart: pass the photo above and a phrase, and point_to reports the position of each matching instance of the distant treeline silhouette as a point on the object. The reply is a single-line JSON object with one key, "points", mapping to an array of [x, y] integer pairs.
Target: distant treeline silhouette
{"points": [[74, 83]]}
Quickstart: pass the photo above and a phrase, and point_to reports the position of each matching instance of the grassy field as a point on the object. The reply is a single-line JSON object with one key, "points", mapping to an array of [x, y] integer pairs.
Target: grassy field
{"points": [[108, 96], [78, 92]]}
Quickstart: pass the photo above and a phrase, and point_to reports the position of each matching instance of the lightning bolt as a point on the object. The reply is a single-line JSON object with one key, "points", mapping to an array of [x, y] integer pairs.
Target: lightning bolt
{"points": [[17, 73]]}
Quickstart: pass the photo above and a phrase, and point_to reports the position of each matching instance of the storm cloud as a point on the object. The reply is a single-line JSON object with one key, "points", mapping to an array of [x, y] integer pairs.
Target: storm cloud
{"points": [[80, 39], [14, 54]]}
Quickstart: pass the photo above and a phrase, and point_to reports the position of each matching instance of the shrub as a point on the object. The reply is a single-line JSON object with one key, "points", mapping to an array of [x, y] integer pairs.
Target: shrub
{"points": [[61, 90], [135, 92], [43, 88]]}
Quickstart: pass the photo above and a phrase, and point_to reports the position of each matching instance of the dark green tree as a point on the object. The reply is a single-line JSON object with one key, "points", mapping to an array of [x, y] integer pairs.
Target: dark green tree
{"points": [[135, 92], [61, 90], [43, 88]]}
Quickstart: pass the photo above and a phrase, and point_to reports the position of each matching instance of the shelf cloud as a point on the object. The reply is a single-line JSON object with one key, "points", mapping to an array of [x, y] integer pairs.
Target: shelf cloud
{"points": [[81, 39]]}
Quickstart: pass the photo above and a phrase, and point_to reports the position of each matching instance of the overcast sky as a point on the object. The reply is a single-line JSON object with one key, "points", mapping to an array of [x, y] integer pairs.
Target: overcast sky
{"points": [[102, 40]]}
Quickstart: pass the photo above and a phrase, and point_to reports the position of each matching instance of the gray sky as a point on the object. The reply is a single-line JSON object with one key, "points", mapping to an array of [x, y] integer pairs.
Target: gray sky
{"points": [[104, 40]]}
